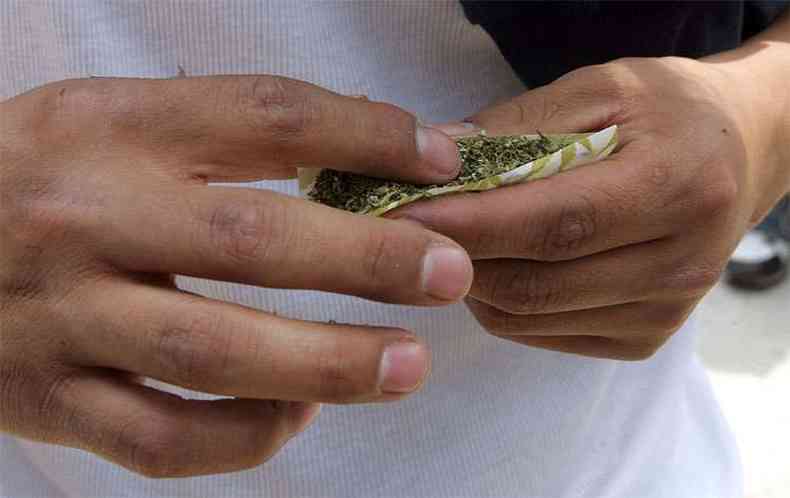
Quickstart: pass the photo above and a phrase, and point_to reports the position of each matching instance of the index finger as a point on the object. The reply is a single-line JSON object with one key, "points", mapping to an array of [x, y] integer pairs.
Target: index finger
{"points": [[255, 127]]}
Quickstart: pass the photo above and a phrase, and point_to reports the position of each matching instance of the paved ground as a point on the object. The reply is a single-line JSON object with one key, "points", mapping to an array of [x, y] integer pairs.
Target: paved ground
{"points": [[746, 347]]}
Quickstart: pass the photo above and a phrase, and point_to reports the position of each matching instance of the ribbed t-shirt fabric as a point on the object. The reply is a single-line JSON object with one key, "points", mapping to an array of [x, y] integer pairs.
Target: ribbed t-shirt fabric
{"points": [[495, 419]]}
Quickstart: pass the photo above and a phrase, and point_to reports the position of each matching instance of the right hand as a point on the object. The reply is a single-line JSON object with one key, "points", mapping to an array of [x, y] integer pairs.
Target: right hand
{"points": [[104, 193]]}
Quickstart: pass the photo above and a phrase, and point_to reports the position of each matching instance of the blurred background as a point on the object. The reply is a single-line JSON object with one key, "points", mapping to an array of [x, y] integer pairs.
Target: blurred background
{"points": [[745, 345]]}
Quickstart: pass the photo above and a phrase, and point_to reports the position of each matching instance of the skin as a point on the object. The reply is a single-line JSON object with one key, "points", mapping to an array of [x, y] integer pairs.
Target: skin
{"points": [[104, 196], [609, 260]]}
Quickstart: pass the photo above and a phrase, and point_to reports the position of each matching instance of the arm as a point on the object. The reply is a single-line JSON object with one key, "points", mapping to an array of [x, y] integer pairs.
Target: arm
{"points": [[761, 75]]}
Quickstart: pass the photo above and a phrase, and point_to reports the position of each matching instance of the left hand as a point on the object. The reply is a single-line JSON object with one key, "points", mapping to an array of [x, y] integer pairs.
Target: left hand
{"points": [[609, 260]]}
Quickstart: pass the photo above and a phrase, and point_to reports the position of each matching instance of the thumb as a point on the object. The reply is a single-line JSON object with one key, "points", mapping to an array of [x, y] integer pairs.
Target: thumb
{"points": [[572, 104]]}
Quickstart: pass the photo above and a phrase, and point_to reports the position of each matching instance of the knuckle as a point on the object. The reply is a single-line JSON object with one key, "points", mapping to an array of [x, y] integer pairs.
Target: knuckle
{"points": [[613, 86], [618, 78], [485, 238], [391, 113], [30, 200], [37, 403], [80, 110], [547, 109], [536, 107], [661, 175], [268, 92], [154, 448], [692, 280], [44, 219], [381, 260], [257, 446], [195, 352], [661, 321], [591, 71], [42, 212], [247, 232], [562, 234], [277, 106], [336, 379], [390, 136], [672, 322], [56, 395], [719, 199], [523, 289], [82, 104], [614, 71]]}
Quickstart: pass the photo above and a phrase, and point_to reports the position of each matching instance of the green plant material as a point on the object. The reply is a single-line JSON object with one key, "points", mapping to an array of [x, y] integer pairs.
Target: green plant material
{"points": [[482, 157]]}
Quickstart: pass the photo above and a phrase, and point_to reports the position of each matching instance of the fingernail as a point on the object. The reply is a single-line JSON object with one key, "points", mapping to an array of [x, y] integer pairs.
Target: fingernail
{"points": [[459, 128], [403, 366], [446, 272], [438, 151]]}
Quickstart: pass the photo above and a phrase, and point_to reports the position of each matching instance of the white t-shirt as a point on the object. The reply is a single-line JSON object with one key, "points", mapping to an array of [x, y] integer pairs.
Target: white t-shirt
{"points": [[495, 419]]}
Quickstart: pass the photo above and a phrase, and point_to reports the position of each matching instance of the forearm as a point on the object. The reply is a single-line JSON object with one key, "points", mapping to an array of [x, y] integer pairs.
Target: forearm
{"points": [[761, 77]]}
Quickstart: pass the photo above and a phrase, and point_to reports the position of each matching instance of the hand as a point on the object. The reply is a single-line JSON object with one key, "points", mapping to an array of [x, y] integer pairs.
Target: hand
{"points": [[104, 196], [610, 259]]}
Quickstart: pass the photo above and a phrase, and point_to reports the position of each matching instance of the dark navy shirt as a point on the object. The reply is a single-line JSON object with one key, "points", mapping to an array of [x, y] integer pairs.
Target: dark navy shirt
{"points": [[544, 40]]}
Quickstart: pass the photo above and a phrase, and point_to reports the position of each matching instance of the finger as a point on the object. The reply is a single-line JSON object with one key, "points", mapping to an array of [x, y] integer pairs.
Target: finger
{"points": [[592, 346], [263, 238], [159, 434], [610, 204], [627, 331], [624, 321], [634, 273], [641, 272], [568, 105], [252, 127], [226, 349]]}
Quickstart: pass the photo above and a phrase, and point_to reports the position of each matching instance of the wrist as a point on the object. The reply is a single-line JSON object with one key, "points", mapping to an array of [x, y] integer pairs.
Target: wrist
{"points": [[756, 77], [753, 86]]}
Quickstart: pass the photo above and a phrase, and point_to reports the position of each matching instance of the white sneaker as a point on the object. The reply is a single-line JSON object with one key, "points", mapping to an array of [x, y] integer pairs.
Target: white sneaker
{"points": [[759, 262]]}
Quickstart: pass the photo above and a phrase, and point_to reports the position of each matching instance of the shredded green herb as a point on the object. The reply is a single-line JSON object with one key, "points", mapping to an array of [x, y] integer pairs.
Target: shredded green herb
{"points": [[482, 157]]}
